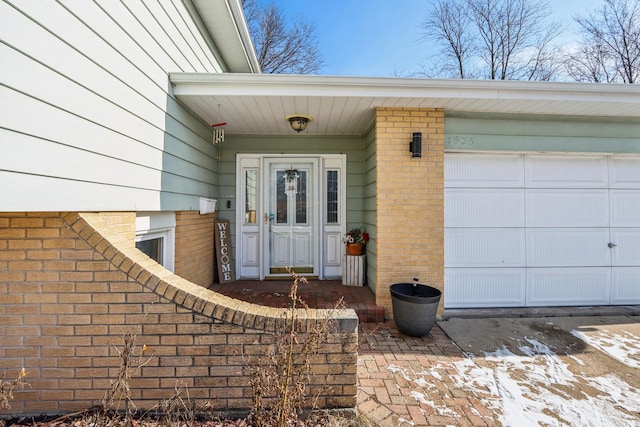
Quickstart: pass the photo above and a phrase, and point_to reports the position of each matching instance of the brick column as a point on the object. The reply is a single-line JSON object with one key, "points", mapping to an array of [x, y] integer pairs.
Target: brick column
{"points": [[410, 200]]}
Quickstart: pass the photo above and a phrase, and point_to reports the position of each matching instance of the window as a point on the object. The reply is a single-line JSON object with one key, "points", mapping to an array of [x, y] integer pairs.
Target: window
{"points": [[250, 196], [332, 197], [155, 236], [301, 199], [152, 247]]}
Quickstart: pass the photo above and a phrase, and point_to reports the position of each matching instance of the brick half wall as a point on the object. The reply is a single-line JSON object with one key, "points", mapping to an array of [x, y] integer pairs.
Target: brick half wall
{"points": [[68, 293]]}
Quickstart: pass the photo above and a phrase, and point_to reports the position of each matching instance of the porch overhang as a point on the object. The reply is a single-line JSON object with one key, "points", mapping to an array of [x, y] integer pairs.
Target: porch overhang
{"points": [[256, 104]]}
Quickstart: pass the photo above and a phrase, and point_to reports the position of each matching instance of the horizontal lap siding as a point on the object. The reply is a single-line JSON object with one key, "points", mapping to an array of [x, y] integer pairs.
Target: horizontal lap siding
{"points": [[369, 201], [521, 133], [88, 115]]}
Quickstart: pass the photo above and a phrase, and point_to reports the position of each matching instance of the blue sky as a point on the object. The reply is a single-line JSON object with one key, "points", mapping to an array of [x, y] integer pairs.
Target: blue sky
{"points": [[382, 38]]}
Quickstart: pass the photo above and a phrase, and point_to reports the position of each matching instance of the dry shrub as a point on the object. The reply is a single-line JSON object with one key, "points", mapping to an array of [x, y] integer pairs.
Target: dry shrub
{"points": [[279, 380], [7, 388]]}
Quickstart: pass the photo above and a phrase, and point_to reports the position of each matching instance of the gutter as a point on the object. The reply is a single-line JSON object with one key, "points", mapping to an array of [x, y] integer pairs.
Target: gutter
{"points": [[340, 86]]}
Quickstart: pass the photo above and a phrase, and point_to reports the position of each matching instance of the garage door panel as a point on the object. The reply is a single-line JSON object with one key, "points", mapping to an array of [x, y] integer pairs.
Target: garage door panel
{"points": [[568, 286], [567, 247], [534, 230], [484, 170], [544, 171], [489, 287], [627, 249], [625, 208], [466, 207], [626, 285], [625, 172], [567, 208], [484, 247]]}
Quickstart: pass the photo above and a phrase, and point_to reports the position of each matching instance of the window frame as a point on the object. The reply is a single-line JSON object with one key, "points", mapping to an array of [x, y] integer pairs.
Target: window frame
{"points": [[158, 225]]}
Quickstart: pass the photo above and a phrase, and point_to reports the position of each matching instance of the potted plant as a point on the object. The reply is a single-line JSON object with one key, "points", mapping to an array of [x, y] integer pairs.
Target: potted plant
{"points": [[355, 240]]}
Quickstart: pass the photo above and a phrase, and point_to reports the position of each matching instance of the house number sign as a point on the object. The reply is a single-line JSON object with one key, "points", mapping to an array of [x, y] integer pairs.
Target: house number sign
{"points": [[459, 141], [224, 257]]}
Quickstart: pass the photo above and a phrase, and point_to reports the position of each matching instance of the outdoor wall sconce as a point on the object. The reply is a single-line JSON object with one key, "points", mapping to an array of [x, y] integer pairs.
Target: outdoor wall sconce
{"points": [[415, 146], [298, 122]]}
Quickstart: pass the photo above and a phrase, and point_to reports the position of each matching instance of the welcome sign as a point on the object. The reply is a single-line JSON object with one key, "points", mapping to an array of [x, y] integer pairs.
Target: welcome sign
{"points": [[222, 237]]}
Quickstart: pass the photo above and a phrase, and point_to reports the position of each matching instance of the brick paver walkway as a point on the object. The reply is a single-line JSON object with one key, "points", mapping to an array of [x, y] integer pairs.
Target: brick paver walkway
{"points": [[412, 381]]}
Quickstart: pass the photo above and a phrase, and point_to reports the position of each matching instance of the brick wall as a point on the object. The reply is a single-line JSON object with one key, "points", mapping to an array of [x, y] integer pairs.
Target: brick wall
{"points": [[67, 294], [194, 247], [410, 200]]}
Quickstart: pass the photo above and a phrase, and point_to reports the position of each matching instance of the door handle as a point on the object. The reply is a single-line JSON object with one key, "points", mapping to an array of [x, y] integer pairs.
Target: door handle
{"points": [[266, 218], [612, 245]]}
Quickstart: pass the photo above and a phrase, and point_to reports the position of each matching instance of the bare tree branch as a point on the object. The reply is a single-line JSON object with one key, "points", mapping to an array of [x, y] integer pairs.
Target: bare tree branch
{"points": [[448, 24], [610, 49], [281, 47], [494, 39]]}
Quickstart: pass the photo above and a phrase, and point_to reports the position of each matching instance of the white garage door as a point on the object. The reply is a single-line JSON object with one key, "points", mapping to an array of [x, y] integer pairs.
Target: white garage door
{"points": [[541, 230]]}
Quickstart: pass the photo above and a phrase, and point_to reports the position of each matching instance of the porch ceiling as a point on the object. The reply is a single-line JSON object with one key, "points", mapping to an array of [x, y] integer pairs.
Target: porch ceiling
{"points": [[256, 104]]}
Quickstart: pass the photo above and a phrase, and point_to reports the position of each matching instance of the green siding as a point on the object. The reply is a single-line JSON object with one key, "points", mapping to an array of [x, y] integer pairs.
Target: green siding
{"points": [[484, 132], [369, 205]]}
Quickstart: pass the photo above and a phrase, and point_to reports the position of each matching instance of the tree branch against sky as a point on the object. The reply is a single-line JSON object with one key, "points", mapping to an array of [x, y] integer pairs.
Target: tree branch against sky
{"points": [[282, 47], [610, 47], [448, 25], [493, 39]]}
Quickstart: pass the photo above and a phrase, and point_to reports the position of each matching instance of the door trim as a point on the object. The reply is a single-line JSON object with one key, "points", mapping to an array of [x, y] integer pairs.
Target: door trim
{"points": [[250, 237]]}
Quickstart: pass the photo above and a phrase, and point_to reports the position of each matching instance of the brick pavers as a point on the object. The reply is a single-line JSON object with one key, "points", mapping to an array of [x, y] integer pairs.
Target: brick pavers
{"points": [[412, 381]]}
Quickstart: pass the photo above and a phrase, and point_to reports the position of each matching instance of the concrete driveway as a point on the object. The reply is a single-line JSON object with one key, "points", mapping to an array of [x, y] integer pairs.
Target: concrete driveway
{"points": [[549, 371], [554, 371]]}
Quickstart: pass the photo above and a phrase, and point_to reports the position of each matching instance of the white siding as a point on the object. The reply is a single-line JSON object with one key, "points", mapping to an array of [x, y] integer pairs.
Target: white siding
{"points": [[88, 116]]}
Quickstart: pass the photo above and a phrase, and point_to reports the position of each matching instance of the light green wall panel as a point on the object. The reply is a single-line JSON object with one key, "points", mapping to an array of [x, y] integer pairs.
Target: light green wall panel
{"points": [[485, 132], [369, 206]]}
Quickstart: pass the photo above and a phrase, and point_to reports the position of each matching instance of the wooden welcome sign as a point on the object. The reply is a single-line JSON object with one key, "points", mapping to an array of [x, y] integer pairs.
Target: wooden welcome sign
{"points": [[224, 257]]}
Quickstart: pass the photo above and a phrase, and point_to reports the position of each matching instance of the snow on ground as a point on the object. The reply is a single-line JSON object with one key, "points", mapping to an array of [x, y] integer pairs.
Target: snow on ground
{"points": [[533, 388], [624, 348]]}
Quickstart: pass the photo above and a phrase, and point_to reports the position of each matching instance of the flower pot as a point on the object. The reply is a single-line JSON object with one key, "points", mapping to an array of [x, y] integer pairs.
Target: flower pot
{"points": [[354, 249], [414, 307]]}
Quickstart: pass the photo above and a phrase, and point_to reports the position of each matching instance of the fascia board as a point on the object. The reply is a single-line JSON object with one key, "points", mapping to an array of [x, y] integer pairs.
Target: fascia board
{"points": [[230, 40], [335, 86], [240, 22]]}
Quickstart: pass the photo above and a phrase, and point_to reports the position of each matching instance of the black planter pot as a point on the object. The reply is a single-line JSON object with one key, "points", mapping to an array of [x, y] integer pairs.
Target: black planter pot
{"points": [[414, 307]]}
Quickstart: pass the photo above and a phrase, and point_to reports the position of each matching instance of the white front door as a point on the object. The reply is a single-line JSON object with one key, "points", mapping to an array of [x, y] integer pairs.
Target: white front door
{"points": [[291, 212]]}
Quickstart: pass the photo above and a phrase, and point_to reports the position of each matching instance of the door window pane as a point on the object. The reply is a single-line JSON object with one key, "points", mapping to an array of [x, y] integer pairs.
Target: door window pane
{"points": [[281, 197], [251, 196], [301, 198], [332, 197]]}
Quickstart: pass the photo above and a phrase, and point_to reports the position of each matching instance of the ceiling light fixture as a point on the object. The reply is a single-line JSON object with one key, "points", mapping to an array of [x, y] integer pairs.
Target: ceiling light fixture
{"points": [[298, 122]]}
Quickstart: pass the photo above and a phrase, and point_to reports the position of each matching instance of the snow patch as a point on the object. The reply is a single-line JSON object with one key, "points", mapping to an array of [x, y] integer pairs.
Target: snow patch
{"points": [[532, 388], [539, 389], [625, 348]]}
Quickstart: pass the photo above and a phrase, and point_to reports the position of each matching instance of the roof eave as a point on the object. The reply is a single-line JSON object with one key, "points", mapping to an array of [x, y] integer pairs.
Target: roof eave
{"points": [[298, 85], [225, 22]]}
